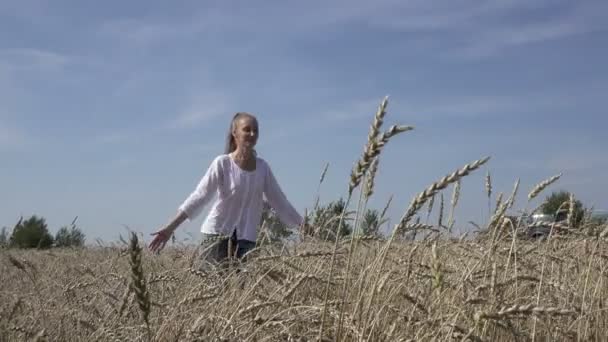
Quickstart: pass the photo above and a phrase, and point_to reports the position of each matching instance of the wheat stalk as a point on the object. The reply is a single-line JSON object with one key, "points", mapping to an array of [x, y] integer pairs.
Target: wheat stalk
{"points": [[372, 150], [436, 268], [386, 206], [441, 208], [489, 191], [430, 208], [321, 179], [498, 202], [511, 199]]}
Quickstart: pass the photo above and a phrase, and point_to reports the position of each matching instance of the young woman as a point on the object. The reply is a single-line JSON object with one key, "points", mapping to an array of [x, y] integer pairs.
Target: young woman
{"points": [[239, 180]]}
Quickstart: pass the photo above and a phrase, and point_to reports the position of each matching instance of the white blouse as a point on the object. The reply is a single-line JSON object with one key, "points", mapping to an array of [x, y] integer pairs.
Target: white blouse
{"points": [[239, 198]]}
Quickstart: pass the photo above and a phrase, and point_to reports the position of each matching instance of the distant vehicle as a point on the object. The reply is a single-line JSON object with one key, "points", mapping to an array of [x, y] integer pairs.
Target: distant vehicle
{"points": [[536, 218], [539, 225], [600, 216]]}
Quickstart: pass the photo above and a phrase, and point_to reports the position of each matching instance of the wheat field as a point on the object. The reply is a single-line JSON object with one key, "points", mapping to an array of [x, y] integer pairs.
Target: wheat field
{"points": [[496, 286], [427, 291]]}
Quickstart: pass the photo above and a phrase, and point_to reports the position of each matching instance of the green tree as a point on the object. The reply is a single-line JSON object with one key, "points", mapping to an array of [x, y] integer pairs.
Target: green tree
{"points": [[4, 237], [370, 223], [558, 205], [31, 233], [325, 220], [69, 237], [275, 230]]}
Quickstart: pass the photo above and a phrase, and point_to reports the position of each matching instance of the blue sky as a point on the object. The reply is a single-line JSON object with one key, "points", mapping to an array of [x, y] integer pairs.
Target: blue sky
{"points": [[113, 110]]}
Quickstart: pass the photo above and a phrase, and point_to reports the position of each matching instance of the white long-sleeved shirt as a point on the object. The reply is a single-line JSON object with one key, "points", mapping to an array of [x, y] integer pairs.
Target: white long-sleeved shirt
{"points": [[239, 198]]}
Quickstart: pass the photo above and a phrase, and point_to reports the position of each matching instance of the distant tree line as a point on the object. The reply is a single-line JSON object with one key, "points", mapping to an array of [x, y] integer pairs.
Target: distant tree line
{"points": [[323, 222], [33, 233]]}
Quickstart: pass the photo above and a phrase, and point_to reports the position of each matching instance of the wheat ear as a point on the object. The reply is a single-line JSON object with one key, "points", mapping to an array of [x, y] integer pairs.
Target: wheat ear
{"points": [[529, 309], [422, 197], [138, 280], [374, 129], [570, 218], [371, 175], [542, 185], [372, 150]]}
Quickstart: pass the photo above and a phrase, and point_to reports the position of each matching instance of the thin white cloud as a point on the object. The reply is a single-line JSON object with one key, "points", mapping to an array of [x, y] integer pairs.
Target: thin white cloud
{"points": [[401, 108], [464, 106], [31, 59], [539, 102], [492, 42], [12, 137], [200, 109], [144, 32], [352, 110], [111, 138], [571, 160]]}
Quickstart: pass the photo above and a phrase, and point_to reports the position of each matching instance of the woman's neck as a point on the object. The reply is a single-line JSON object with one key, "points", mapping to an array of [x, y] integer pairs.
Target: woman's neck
{"points": [[243, 154]]}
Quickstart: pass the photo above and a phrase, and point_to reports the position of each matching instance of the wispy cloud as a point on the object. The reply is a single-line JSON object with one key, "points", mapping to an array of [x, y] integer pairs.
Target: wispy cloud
{"points": [[470, 30], [148, 31], [12, 137], [570, 160], [469, 106], [200, 109], [491, 42], [443, 106], [462, 28], [31, 59], [352, 110], [111, 138]]}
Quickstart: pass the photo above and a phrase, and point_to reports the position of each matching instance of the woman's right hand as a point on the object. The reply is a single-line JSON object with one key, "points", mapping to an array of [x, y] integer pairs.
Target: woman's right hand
{"points": [[160, 240], [163, 235]]}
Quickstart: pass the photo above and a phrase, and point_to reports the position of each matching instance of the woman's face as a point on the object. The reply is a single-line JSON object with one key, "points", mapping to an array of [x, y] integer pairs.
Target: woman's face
{"points": [[246, 131]]}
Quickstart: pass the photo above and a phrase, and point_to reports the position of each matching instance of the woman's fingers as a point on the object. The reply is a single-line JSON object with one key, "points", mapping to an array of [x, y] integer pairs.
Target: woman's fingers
{"points": [[158, 243], [153, 244], [160, 239]]}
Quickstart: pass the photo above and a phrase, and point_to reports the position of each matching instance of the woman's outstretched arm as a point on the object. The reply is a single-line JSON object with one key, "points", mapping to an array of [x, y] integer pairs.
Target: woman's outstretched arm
{"points": [[191, 207]]}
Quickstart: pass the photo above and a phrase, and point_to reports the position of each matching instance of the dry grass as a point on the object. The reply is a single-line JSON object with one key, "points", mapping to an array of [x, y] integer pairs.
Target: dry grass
{"points": [[495, 287]]}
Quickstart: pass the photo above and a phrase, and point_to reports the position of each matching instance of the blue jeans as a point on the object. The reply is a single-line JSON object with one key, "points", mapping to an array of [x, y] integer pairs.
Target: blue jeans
{"points": [[217, 248]]}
